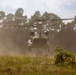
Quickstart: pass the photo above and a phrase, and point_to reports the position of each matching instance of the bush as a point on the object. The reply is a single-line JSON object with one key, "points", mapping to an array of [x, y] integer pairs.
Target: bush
{"points": [[63, 57]]}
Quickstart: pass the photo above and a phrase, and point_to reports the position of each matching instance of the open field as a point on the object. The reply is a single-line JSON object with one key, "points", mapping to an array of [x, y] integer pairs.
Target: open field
{"points": [[22, 65]]}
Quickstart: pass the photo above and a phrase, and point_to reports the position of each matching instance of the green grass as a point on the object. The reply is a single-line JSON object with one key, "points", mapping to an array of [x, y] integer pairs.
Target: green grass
{"points": [[22, 65]]}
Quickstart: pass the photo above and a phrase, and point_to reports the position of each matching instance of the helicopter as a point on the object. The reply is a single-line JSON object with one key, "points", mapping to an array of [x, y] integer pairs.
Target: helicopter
{"points": [[38, 43]]}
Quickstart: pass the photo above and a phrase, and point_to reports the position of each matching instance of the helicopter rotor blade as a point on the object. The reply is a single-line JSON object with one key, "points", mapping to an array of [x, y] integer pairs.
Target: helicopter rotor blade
{"points": [[22, 18], [37, 20], [62, 19]]}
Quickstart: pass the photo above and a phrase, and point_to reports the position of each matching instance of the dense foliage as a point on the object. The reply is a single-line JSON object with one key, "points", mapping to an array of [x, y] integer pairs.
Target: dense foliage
{"points": [[64, 57]]}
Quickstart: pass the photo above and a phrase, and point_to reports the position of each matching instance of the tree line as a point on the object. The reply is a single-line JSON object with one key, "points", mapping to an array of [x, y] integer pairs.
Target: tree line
{"points": [[60, 34]]}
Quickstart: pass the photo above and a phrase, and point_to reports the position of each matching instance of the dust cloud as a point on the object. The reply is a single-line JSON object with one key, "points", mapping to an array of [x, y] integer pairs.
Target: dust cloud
{"points": [[8, 46]]}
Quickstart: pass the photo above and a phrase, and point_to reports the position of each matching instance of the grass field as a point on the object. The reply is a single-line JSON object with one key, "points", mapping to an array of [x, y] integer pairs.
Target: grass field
{"points": [[22, 65]]}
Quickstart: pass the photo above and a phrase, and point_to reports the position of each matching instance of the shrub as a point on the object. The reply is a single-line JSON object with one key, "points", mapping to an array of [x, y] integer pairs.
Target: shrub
{"points": [[63, 57]]}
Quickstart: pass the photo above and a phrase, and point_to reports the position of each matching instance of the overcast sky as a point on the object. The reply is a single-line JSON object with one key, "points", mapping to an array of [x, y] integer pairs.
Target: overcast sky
{"points": [[62, 8]]}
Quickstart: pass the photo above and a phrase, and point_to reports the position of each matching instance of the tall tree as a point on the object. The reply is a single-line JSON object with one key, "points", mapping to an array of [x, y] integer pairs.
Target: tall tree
{"points": [[19, 12], [2, 14], [10, 17], [36, 16], [54, 24], [19, 18]]}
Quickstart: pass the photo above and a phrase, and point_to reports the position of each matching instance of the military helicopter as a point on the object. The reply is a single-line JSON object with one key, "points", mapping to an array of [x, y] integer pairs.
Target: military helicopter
{"points": [[38, 42]]}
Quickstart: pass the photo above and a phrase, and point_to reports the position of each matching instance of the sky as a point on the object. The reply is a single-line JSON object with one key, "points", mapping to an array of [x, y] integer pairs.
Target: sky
{"points": [[62, 8]]}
